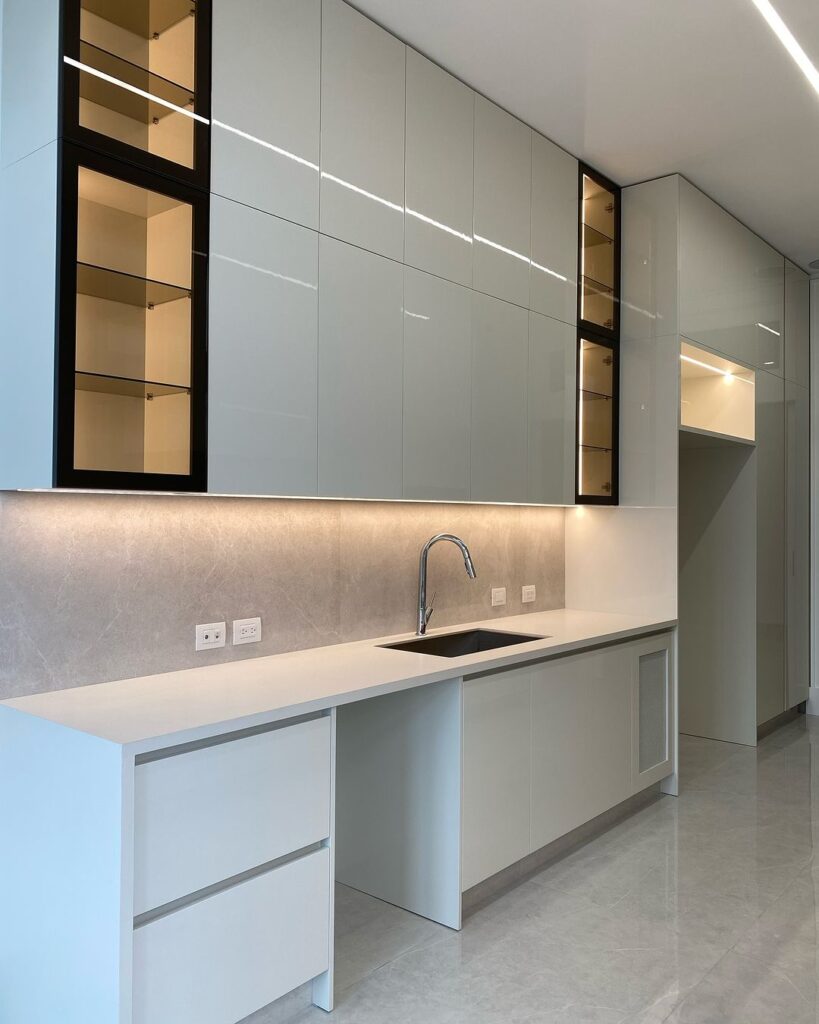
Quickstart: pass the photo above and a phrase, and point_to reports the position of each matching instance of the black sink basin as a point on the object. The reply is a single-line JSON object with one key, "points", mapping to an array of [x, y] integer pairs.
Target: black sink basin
{"points": [[456, 645]]}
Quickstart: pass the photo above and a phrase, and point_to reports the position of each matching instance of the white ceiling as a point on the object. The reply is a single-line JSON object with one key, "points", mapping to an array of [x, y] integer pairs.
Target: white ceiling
{"points": [[642, 88]]}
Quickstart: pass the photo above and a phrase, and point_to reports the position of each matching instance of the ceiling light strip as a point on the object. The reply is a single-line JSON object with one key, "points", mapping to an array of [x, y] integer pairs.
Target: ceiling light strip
{"points": [[788, 40]]}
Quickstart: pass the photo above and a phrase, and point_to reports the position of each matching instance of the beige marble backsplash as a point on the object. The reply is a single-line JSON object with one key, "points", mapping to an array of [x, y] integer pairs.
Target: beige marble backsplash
{"points": [[97, 587]]}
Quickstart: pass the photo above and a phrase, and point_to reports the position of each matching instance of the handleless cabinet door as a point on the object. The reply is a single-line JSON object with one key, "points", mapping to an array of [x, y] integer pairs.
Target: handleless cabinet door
{"points": [[263, 418], [553, 286], [266, 105], [500, 357], [362, 131], [437, 376], [503, 194], [360, 373], [551, 410], [797, 325], [797, 405]]}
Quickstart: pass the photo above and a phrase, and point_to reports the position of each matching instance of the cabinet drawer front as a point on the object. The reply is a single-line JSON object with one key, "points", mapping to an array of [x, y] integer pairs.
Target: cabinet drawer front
{"points": [[208, 814], [223, 958]]}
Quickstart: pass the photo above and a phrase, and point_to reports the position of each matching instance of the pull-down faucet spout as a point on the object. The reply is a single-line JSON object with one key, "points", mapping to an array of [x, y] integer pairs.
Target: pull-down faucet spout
{"points": [[425, 612]]}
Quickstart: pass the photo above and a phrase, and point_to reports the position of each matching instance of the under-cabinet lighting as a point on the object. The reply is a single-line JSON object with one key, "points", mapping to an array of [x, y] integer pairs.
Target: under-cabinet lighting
{"points": [[788, 40], [770, 330], [715, 369], [88, 70]]}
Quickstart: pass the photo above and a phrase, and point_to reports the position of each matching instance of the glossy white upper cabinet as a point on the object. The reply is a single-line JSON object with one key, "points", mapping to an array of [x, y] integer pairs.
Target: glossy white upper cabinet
{"points": [[797, 325], [440, 128], [731, 284], [503, 203], [551, 406], [263, 340], [797, 568], [437, 387], [360, 373], [500, 357], [266, 105], [553, 275], [363, 71]]}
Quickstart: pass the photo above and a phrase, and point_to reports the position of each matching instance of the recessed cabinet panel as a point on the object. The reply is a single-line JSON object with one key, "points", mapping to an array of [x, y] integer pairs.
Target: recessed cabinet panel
{"points": [[440, 124], [263, 351], [716, 395], [500, 344], [503, 189], [553, 288], [360, 373], [552, 396], [437, 387], [362, 131], [797, 325], [266, 105]]}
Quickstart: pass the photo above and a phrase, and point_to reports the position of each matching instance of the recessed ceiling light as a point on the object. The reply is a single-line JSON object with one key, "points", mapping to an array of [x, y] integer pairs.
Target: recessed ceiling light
{"points": [[788, 40]]}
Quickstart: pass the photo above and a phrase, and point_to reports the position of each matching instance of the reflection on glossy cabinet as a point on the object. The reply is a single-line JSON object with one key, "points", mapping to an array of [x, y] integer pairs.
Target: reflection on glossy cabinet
{"points": [[797, 428], [553, 288], [362, 131], [551, 404], [437, 387], [266, 105], [500, 344], [360, 373], [797, 325], [263, 351]]}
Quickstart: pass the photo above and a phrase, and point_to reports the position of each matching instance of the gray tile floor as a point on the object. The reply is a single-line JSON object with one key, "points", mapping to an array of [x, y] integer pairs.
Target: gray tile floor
{"points": [[697, 910]]}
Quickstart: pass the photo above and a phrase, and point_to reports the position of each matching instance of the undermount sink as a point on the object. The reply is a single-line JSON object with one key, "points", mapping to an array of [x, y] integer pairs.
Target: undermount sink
{"points": [[456, 645]]}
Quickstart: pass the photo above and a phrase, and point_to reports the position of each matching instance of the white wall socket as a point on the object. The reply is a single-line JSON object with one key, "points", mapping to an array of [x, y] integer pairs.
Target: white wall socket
{"points": [[247, 631], [498, 596], [528, 594], [211, 635]]}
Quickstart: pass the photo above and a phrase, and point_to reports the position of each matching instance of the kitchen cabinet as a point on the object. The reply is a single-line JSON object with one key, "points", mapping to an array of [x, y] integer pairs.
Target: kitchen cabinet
{"points": [[266, 106], [363, 71], [552, 278], [550, 408], [797, 325], [654, 717], [263, 353], [503, 204], [797, 566]]}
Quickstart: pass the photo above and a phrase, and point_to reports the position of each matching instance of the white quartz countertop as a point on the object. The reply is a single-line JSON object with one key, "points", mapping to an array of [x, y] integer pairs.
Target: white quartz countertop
{"points": [[183, 706]]}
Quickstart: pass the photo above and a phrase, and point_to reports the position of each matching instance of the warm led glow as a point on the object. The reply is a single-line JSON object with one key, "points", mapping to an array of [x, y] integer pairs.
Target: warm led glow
{"points": [[715, 369], [88, 70], [788, 40], [765, 327]]}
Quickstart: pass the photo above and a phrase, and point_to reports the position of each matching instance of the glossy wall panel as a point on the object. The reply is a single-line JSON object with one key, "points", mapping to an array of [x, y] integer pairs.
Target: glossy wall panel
{"points": [[797, 566], [797, 325], [553, 289], [263, 353], [266, 105], [360, 373], [439, 168], [552, 396], [437, 388], [502, 215], [500, 344], [362, 131]]}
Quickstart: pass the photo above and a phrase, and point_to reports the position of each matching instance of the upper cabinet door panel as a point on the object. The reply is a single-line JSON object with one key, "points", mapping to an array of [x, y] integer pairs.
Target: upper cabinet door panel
{"points": [[362, 132], [440, 127], [266, 105], [503, 203], [553, 288], [551, 409], [437, 339], [731, 284], [263, 338], [500, 344], [797, 325], [360, 373]]}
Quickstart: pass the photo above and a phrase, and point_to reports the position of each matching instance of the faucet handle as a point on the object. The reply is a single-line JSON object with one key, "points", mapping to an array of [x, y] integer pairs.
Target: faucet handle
{"points": [[429, 610]]}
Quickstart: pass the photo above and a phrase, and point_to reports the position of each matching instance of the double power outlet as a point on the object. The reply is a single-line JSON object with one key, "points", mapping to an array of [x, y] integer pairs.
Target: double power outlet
{"points": [[213, 634], [527, 595]]}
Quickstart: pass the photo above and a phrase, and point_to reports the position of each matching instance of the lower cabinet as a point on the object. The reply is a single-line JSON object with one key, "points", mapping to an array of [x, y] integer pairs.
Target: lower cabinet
{"points": [[550, 746]]}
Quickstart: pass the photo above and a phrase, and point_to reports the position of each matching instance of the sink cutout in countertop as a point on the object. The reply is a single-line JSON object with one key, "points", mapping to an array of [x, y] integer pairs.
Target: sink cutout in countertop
{"points": [[456, 645]]}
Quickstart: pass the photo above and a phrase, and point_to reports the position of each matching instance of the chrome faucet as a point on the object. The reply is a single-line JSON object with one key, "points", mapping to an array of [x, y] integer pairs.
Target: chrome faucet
{"points": [[425, 612]]}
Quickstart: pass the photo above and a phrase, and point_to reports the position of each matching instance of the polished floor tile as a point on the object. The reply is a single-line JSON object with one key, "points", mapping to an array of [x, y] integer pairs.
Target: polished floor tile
{"points": [[696, 910]]}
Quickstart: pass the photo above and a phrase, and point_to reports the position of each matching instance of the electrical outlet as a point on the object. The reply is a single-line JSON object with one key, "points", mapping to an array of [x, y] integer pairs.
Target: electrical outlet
{"points": [[498, 596], [210, 635], [247, 631], [528, 594]]}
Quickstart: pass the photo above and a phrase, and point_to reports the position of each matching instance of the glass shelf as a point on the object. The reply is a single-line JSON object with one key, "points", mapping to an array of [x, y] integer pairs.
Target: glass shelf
{"points": [[123, 101], [126, 387], [597, 287], [116, 286], [144, 18], [595, 448], [591, 236], [595, 396]]}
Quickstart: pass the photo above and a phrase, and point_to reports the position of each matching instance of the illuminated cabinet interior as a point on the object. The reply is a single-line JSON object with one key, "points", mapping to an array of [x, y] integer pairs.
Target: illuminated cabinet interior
{"points": [[137, 75], [129, 400], [598, 340], [717, 395]]}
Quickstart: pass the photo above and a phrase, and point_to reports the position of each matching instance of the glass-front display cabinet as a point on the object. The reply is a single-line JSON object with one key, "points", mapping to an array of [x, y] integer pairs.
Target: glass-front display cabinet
{"points": [[597, 378], [137, 81], [131, 392], [598, 293]]}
